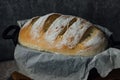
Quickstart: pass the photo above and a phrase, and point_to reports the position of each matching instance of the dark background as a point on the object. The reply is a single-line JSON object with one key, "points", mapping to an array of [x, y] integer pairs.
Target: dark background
{"points": [[102, 12]]}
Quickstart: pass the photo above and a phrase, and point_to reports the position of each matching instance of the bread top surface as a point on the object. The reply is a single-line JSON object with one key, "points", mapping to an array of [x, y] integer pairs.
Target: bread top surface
{"points": [[62, 34]]}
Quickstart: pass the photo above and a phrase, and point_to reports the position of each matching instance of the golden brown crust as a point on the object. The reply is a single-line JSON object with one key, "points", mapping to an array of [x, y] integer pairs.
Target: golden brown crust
{"points": [[91, 42]]}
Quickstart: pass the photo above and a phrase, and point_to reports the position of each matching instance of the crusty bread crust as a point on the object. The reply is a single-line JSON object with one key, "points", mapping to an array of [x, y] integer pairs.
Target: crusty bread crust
{"points": [[62, 34]]}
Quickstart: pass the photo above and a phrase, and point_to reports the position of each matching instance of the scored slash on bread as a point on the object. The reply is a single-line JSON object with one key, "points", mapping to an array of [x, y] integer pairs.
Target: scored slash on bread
{"points": [[62, 34]]}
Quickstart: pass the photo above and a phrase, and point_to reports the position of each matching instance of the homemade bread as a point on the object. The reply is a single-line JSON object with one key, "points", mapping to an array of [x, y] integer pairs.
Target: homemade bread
{"points": [[62, 34]]}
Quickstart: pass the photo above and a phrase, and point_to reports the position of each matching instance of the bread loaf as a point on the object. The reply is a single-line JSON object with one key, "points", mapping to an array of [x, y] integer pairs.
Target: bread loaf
{"points": [[62, 34]]}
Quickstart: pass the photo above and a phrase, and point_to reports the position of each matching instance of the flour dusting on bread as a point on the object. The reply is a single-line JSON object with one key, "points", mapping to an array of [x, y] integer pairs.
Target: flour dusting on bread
{"points": [[63, 34]]}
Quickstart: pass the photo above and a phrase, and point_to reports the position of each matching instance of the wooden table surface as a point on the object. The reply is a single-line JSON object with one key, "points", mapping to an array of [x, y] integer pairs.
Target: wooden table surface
{"points": [[6, 68]]}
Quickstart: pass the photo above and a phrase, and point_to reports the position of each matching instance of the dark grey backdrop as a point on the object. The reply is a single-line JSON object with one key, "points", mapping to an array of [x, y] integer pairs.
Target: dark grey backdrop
{"points": [[102, 12]]}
